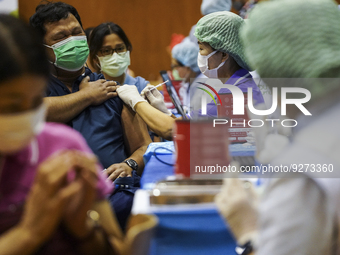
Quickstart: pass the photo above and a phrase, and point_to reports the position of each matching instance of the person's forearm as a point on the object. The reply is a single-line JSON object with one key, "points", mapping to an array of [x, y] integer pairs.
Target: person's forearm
{"points": [[65, 108], [136, 136], [157, 121], [18, 241], [138, 157]]}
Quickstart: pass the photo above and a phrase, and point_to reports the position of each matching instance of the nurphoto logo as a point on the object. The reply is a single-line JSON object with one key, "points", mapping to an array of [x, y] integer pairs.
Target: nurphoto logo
{"points": [[238, 103]]}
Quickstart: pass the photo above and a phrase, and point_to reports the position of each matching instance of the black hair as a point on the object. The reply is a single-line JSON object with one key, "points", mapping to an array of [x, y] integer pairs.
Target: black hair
{"points": [[49, 12], [21, 50], [88, 32], [97, 38]]}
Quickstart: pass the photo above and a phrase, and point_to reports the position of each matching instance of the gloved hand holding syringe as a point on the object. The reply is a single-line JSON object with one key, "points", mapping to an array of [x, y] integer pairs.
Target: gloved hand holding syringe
{"points": [[130, 95], [153, 87]]}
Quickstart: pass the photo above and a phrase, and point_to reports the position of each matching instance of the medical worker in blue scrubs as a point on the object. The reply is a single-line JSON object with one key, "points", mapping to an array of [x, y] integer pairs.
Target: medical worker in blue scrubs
{"points": [[110, 51]]}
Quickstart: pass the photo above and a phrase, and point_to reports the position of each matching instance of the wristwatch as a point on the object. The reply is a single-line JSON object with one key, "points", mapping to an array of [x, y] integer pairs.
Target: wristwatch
{"points": [[245, 249], [131, 163]]}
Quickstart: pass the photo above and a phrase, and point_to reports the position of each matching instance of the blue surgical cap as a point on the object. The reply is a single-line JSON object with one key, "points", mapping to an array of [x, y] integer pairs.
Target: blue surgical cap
{"points": [[210, 6], [186, 52]]}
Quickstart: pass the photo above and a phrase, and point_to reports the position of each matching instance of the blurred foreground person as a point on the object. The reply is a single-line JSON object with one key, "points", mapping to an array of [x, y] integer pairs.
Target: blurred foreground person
{"points": [[52, 194], [300, 212]]}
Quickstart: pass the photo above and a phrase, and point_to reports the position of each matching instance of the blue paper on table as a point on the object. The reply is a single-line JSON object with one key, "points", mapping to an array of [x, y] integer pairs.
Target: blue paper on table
{"points": [[198, 232], [163, 148]]}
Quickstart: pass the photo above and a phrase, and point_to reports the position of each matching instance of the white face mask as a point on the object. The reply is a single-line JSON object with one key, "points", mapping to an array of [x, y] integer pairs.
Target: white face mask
{"points": [[17, 130], [202, 62], [116, 64]]}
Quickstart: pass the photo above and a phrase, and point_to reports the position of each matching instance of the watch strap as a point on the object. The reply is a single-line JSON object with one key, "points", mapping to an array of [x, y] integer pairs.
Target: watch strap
{"points": [[245, 249], [131, 163]]}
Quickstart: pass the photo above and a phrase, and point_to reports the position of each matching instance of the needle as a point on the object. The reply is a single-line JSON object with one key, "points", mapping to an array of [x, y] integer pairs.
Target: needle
{"points": [[159, 85], [142, 94]]}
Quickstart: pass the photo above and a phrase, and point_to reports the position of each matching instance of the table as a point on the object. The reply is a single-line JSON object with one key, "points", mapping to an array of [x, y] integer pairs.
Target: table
{"points": [[155, 170], [199, 232], [183, 229]]}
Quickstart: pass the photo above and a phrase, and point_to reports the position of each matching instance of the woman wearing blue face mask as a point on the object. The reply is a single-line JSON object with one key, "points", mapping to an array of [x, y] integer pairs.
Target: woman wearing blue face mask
{"points": [[110, 54]]}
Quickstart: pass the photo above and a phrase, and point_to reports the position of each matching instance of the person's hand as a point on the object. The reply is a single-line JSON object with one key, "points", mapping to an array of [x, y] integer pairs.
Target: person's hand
{"points": [[48, 196], [130, 95], [75, 217], [237, 204], [155, 98], [118, 170], [99, 91]]}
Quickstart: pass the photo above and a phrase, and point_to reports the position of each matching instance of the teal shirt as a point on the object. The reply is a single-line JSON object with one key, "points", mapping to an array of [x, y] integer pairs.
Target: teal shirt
{"points": [[139, 82]]}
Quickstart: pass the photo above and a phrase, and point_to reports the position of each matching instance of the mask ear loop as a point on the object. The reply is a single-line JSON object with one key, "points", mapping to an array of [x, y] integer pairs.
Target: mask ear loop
{"points": [[220, 65], [54, 64], [100, 68], [207, 59]]}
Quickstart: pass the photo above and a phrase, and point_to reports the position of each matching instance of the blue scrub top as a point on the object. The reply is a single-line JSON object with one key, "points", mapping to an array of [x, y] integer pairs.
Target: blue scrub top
{"points": [[100, 125], [242, 79], [139, 82]]}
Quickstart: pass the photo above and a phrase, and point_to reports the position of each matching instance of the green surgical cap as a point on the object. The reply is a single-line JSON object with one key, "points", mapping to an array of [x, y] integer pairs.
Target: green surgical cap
{"points": [[221, 31], [293, 39]]}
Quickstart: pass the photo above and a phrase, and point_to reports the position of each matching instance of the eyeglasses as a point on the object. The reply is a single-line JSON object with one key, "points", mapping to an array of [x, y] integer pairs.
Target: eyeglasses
{"points": [[179, 64], [108, 51]]}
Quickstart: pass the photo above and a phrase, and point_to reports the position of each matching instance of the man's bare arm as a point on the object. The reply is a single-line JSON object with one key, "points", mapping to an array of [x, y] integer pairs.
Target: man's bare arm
{"points": [[136, 136], [136, 141]]}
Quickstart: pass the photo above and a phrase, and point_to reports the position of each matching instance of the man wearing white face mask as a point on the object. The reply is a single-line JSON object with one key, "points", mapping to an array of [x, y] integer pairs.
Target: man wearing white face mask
{"points": [[221, 54]]}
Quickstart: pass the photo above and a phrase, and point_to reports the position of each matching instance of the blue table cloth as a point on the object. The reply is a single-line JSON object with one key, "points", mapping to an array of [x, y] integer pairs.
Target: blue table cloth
{"points": [[196, 231]]}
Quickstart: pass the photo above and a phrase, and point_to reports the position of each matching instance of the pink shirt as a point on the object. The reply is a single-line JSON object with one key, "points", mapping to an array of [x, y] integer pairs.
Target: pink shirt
{"points": [[19, 169]]}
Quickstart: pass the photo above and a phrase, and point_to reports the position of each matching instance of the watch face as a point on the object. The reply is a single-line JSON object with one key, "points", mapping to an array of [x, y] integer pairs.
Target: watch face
{"points": [[133, 164]]}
